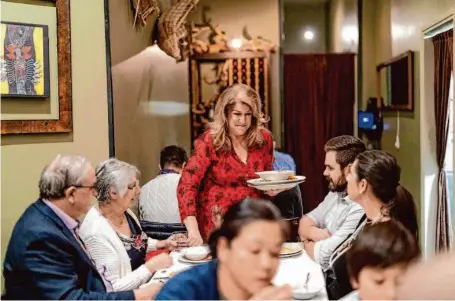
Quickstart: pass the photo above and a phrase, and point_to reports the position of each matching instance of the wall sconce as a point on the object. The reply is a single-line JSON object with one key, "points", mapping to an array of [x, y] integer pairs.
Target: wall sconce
{"points": [[350, 34], [236, 43]]}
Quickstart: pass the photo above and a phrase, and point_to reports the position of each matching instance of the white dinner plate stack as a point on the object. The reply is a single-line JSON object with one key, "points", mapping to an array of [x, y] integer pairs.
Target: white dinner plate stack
{"points": [[275, 180]]}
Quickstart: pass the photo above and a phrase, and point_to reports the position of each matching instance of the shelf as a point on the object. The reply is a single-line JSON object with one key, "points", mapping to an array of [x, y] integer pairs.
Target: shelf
{"points": [[219, 56]]}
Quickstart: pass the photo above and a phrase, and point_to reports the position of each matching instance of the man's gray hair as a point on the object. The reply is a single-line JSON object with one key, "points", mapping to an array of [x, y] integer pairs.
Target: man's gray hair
{"points": [[64, 171], [113, 176]]}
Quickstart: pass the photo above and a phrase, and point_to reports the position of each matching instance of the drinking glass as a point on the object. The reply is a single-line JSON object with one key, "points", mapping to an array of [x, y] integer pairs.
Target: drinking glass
{"points": [[181, 237]]}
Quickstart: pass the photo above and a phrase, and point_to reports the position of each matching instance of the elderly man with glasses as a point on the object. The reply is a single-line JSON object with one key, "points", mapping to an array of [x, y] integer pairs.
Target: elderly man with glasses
{"points": [[46, 259]]}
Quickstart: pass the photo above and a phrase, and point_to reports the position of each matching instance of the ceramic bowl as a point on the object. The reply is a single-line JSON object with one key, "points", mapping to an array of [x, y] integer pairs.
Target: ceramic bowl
{"points": [[302, 292], [279, 175], [196, 253]]}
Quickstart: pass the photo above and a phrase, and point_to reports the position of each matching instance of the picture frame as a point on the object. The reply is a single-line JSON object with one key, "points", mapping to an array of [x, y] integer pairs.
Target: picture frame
{"points": [[64, 123], [25, 60], [395, 83]]}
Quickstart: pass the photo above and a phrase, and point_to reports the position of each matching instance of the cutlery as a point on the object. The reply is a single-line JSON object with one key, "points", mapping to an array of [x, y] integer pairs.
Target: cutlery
{"points": [[307, 279], [161, 278]]}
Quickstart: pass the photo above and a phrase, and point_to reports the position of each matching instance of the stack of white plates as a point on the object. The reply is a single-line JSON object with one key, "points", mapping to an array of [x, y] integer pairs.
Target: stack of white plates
{"points": [[271, 180], [290, 249]]}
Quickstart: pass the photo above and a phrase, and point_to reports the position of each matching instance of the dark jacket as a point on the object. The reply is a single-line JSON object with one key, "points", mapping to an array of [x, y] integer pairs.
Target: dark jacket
{"points": [[45, 261], [197, 283]]}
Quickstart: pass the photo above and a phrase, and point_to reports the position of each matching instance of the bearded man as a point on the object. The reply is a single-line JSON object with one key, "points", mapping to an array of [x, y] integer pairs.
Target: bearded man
{"points": [[327, 226]]}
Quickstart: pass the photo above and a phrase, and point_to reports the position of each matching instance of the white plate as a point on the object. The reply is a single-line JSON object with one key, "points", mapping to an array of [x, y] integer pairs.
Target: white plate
{"points": [[290, 249], [186, 260], [275, 175], [276, 187], [262, 182], [291, 254], [273, 185]]}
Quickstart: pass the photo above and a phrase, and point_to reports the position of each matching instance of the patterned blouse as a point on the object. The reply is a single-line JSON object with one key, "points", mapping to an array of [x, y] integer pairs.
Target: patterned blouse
{"points": [[212, 181], [136, 245]]}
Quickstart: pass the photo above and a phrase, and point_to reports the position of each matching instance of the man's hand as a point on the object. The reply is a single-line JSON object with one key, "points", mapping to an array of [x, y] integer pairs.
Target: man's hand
{"points": [[309, 248], [317, 234]]}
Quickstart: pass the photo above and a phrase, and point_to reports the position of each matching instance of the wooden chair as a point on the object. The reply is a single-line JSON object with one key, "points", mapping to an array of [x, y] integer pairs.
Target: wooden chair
{"points": [[293, 226]]}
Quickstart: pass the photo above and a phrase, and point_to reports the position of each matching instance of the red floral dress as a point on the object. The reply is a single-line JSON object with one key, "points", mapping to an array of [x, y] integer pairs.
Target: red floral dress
{"points": [[213, 181]]}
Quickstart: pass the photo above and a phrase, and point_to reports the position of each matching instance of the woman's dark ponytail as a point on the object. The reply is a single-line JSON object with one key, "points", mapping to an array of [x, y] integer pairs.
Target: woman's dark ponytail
{"points": [[403, 209], [382, 172]]}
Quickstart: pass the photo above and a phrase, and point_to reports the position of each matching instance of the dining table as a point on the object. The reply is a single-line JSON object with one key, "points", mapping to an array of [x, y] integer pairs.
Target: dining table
{"points": [[292, 270]]}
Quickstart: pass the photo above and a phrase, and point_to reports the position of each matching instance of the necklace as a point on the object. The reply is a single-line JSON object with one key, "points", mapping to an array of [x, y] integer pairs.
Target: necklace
{"points": [[117, 224]]}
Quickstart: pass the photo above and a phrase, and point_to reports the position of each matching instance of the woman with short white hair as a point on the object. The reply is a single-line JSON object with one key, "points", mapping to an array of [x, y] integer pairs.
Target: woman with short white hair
{"points": [[112, 233]]}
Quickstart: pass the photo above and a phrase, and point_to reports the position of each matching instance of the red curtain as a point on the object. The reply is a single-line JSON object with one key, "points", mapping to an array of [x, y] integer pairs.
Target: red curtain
{"points": [[443, 52], [318, 105]]}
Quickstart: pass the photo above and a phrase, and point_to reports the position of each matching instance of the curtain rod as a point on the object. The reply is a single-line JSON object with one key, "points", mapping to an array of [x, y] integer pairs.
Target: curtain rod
{"points": [[443, 26]]}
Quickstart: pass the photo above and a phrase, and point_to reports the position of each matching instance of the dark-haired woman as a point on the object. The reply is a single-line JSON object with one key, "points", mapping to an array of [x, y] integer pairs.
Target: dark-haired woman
{"points": [[246, 249], [374, 183]]}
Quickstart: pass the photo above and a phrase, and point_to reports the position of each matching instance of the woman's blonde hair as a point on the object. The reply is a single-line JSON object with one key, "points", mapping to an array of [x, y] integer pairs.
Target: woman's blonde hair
{"points": [[238, 93]]}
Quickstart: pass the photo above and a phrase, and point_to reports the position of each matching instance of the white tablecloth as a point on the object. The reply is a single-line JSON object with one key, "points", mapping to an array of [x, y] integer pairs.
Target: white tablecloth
{"points": [[292, 270]]}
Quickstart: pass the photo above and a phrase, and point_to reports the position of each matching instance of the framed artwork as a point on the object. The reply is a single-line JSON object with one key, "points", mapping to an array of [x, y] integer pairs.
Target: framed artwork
{"points": [[25, 60], [395, 83], [37, 73]]}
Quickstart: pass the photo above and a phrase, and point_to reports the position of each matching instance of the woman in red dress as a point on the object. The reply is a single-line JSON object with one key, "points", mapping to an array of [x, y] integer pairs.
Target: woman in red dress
{"points": [[234, 147]]}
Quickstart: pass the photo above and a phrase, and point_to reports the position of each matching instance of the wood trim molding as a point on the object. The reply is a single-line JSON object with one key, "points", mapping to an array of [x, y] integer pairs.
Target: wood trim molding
{"points": [[64, 124]]}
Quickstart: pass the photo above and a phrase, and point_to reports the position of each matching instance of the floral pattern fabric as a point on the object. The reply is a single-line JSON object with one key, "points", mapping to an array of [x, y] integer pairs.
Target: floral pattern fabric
{"points": [[212, 181]]}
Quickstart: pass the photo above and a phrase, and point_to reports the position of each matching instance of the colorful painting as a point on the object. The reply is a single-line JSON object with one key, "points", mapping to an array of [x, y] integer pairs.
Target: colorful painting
{"points": [[24, 60]]}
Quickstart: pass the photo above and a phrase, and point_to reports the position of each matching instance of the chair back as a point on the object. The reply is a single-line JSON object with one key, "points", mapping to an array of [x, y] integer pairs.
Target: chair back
{"points": [[293, 226], [161, 231]]}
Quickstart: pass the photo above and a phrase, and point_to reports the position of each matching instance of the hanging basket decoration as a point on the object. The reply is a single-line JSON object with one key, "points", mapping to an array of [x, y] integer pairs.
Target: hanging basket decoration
{"points": [[172, 31], [143, 9]]}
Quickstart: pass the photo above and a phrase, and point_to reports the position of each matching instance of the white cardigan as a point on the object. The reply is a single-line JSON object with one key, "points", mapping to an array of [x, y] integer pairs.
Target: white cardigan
{"points": [[109, 254]]}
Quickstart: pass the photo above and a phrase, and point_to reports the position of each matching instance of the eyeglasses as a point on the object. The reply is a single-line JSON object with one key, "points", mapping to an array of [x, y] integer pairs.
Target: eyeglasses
{"points": [[91, 188]]}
